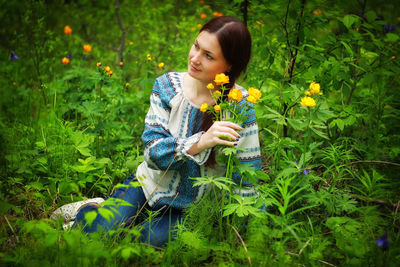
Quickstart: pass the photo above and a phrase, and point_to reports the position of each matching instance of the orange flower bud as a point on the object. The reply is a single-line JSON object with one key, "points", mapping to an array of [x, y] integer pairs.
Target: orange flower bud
{"points": [[65, 60], [87, 48], [67, 30]]}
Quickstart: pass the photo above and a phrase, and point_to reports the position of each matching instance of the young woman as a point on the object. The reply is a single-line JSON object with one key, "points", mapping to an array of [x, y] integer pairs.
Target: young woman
{"points": [[179, 138]]}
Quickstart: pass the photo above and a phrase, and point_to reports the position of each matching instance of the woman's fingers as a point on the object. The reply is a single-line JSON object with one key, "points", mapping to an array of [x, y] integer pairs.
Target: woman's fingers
{"points": [[229, 124]]}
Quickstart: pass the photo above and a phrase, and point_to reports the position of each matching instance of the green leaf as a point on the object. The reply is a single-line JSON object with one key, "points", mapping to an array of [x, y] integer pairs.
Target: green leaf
{"points": [[349, 20], [348, 48], [297, 124], [90, 217], [391, 37], [287, 172], [319, 133]]}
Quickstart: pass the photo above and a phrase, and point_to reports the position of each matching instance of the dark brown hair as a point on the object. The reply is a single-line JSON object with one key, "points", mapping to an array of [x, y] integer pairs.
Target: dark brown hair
{"points": [[235, 41]]}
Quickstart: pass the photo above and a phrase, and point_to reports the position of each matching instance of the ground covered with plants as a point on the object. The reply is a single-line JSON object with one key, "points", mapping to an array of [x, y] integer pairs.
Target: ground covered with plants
{"points": [[76, 77]]}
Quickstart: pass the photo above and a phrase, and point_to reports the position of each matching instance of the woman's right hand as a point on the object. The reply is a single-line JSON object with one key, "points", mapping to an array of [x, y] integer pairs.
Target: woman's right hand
{"points": [[217, 135]]}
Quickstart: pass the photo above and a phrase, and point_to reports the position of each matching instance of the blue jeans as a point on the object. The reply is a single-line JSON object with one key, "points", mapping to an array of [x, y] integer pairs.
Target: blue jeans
{"points": [[157, 233]]}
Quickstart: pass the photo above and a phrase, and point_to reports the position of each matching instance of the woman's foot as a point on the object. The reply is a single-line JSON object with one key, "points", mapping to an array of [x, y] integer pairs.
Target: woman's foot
{"points": [[69, 211]]}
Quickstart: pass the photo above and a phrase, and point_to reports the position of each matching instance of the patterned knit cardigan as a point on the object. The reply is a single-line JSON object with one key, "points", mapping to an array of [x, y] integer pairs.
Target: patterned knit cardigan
{"points": [[171, 128]]}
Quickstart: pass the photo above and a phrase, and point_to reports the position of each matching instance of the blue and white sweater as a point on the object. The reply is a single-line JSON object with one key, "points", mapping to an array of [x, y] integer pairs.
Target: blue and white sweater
{"points": [[172, 126]]}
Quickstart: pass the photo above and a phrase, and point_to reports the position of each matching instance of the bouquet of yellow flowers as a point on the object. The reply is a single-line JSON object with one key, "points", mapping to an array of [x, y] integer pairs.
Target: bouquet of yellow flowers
{"points": [[227, 106]]}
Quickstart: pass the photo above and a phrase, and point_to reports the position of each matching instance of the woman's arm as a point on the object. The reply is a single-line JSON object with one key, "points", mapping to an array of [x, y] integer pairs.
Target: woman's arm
{"points": [[163, 150]]}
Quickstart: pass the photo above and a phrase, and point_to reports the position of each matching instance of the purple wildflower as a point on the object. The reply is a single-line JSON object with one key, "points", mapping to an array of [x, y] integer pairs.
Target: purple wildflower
{"points": [[383, 242], [13, 56], [84, 58], [389, 28], [69, 56], [305, 171]]}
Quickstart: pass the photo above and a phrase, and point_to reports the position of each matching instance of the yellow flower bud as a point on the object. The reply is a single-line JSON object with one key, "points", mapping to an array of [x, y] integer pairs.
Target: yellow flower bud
{"points": [[314, 88], [308, 102], [210, 86], [221, 79], [255, 93], [217, 108], [204, 107], [235, 94], [161, 65], [251, 99]]}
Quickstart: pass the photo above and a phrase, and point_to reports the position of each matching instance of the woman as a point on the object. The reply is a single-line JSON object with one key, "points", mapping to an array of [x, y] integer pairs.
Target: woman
{"points": [[179, 138]]}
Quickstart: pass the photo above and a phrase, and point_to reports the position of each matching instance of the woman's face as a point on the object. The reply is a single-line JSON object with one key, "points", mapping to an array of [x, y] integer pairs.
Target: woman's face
{"points": [[205, 58]]}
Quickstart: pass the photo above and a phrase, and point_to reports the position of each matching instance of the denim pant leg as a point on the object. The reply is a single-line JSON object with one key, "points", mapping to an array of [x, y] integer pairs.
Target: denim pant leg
{"points": [[162, 228], [133, 195]]}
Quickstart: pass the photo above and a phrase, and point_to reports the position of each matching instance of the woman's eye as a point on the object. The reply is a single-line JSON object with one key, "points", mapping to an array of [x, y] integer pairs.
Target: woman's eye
{"points": [[209, 56], [196, 45]]}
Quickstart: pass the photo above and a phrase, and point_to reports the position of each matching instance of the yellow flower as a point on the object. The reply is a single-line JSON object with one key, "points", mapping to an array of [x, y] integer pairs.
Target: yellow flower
{"points": [[235, 94], [217, 108], [98, 64], [161, 65], [210, 86], [148, 57], [221, 79], [251, 99], [204, 107], [217, 94], [314, 88], [393, 57], [67, 30], [255, 93], [307, 101], [110, 72], [217, 14], [65, 60], [259, 22], [121, 63], [127, 85], [199, 25], [107, 69], [203, 16], [320, 93], [307, 93], [131, 43], [87, 48]]}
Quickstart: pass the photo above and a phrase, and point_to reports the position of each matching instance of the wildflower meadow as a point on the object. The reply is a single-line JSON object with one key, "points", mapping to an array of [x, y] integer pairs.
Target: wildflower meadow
{"points": [[324, 79]]}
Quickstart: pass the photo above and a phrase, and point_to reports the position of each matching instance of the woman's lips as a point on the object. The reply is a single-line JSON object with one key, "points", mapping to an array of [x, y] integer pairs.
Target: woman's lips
{"points": [[193, 68]]}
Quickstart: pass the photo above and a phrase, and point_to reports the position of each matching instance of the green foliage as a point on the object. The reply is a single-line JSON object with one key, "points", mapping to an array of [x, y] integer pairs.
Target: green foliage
{"points": [[328, 189]]}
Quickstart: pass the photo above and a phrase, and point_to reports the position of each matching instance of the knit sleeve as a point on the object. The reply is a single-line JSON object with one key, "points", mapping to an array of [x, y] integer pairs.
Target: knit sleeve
{"points": [[163, 150]]}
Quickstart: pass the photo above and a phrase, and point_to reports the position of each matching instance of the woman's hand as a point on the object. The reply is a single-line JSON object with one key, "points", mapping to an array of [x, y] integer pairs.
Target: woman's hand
{"points": [[217, 135]]}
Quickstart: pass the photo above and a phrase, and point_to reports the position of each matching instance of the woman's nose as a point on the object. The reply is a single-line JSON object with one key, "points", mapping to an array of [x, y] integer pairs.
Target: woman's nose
{"points": [[196, 58]]}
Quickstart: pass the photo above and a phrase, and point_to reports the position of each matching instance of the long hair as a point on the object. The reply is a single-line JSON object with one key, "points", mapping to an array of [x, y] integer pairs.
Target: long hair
{"points": [[235, 41]]}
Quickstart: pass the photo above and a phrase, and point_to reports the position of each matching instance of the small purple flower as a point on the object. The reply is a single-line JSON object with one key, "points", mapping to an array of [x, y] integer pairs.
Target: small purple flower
{"points": [[383, 242], [69, 56], [13, 56], [84, 58], [389, 28], [305, 171]]}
